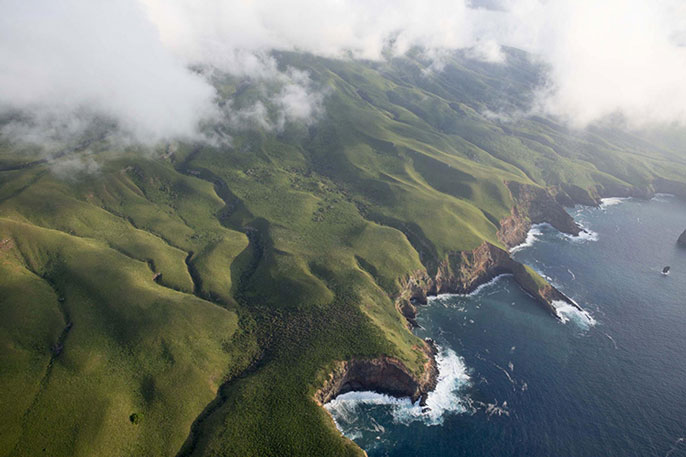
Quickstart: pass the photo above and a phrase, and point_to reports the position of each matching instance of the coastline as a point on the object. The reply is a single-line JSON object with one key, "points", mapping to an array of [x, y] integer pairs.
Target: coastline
{"points": [[465, 273], [460, 273], [551, 364]]}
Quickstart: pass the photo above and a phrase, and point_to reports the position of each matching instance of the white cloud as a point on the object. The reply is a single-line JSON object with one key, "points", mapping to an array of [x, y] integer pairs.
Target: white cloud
{"points": [[206, 30], [606, 57], [284, 96], [61, 60], [487, 50], [75, 166], [65, 62]]}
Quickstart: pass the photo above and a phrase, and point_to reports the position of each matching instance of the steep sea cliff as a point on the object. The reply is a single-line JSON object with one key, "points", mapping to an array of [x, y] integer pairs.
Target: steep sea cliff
{"points": [[460, 273], [604, 382]]}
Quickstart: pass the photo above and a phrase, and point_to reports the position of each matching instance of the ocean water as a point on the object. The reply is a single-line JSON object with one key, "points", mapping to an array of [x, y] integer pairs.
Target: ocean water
{"points": [[515, 381]]}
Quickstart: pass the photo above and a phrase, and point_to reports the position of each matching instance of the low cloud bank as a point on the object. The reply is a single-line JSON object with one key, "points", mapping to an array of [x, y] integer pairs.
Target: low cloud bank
{"points": [[67, 65]]}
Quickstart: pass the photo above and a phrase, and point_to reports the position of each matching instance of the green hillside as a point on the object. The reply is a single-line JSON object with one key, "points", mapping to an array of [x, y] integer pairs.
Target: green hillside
{"points": [[191, 299]]}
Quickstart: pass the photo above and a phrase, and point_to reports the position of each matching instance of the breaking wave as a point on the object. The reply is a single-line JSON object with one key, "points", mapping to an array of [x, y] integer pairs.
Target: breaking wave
{"points": [[611, 201], [585, 235], [531, 237], [568, 312], [535, 232], [452, 378], [474, 292], [662, 197]]}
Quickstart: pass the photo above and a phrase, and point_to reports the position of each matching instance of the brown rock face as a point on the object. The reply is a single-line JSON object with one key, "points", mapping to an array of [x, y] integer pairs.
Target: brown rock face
{"points": [[514, 228], [682, 239], [384, 375], [534, 205], [465, 271]]}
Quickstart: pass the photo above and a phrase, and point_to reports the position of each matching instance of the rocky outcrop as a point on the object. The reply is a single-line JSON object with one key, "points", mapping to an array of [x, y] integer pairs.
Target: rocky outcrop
{"points": [[670, 187], [579, 196], [643, 193], [384, 374], [682, 239], [570, 195], [514, 228], [463, 272], [534, 205]]}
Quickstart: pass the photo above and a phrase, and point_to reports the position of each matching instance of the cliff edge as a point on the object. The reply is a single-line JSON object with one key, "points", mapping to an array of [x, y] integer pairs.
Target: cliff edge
{"points": [[383, 374], [463, 272], [534, 205], [459, 273]]}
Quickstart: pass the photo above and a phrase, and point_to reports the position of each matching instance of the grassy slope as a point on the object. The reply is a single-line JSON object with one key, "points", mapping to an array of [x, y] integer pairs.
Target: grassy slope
{"points": [[134, 346], [303, 233]]}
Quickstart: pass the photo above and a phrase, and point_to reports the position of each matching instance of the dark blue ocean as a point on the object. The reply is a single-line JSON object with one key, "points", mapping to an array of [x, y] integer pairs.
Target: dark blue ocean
{"points": [[515, 381]]}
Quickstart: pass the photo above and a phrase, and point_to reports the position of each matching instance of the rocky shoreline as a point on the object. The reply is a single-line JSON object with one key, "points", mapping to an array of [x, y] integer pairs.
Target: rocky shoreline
{"points": [[462, 272], [476, 268], [386, 375]]}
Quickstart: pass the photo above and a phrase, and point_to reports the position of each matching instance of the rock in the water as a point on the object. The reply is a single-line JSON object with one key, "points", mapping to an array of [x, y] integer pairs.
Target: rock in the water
{"points": [[682, 239]]}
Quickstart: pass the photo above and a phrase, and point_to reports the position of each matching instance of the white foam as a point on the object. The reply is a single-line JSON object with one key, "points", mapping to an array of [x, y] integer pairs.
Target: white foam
{"points": [[531, 237], [507, 375], [662, 198], [584, 235], [452, 377], [472, 293], [675, 446], [534, 234], [568, 312], [612, 201], [613, 340], [494, 409]]}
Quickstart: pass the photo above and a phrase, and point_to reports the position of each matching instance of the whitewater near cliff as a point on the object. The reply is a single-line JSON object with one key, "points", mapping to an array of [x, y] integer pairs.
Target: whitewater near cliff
{"points": [[530, 384]]}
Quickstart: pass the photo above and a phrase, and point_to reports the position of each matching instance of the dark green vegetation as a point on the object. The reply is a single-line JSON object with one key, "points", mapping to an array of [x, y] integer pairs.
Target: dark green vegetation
{"points": [[216, 286]]}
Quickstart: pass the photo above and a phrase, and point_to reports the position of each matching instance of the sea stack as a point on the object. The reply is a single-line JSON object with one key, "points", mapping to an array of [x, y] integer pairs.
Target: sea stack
{"points": [[682, 239]]}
